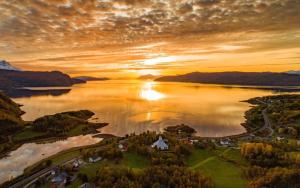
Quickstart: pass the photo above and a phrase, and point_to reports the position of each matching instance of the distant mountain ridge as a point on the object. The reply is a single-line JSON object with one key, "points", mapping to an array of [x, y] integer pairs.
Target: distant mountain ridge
{"points": [[237, 78], [4, 65], [293, 72], [12, 78], [16, 79], [148, 77], [90, 78]]}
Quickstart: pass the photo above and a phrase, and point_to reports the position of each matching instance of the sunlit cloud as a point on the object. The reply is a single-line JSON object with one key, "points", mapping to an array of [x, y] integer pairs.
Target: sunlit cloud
{"points": [[129, 38]]}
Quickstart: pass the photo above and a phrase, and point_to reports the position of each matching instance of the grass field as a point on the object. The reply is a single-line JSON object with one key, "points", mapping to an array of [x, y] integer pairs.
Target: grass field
{"points": [[223, 173], [129, 160], [76, 131], [27, 134], [132, 160]]}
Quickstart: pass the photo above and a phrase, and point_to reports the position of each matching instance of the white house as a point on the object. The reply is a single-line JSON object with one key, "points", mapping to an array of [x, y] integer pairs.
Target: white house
{"points": [[279, 138], [94, 159], [226, 143], [76, 163], [160, 144]]}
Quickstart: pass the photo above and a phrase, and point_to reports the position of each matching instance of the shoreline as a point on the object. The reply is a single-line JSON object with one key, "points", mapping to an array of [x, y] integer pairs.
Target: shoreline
{"points": [[43, 139]]}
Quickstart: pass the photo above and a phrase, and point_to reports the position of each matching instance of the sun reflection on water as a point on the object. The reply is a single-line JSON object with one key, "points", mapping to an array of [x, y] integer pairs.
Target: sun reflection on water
{"points": [[148, 93]]}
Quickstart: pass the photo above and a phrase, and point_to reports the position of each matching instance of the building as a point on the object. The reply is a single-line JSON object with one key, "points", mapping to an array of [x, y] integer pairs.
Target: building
{"points": [[226, 143], [123, 145], [85, 185], [160, 144], [59, 180], [280, 138], [76, 163], [94, 159]]}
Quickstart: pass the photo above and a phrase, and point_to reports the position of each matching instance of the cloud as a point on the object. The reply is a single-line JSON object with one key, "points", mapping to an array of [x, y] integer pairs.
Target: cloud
{"points": [[46, 24]]}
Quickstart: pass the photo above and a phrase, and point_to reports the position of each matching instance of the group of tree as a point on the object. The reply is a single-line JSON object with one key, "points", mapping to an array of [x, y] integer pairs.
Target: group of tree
{"points": [[175, 155], [61, 123], [10, 117], [261, 154], [273, 177], [162, 176], [181, 130], [108, 151], [271, 165]]}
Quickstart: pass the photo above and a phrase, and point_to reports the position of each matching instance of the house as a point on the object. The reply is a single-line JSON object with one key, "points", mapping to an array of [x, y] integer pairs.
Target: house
{"points": [[279, 138], [123, 145], [94, 159], [60, 179], [76, 163], [160, 144], [85, 185], [226, 143], [194, 141]]}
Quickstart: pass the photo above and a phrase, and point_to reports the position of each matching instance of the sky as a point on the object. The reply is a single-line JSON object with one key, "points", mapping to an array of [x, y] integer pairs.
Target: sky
{"points": [[129, 38]]}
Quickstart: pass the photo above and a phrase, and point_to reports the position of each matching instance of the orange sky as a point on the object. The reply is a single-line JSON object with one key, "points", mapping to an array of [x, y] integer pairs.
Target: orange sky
{"points": [[128, 38]]}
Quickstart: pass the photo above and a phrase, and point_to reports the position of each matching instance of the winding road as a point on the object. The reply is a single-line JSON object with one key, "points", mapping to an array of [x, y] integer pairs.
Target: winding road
{"points": [[267, 121]]}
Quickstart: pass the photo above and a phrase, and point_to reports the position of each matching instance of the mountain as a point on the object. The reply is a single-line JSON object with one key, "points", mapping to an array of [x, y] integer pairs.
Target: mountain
{"points": [[10, 79], [4, 65], [237, 78], [148, 77], [89, 78], [293, 72]]}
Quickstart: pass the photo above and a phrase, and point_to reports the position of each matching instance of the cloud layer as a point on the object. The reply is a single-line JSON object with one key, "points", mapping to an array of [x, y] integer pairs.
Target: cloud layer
{"points": [[97, 22], [142, 35]]}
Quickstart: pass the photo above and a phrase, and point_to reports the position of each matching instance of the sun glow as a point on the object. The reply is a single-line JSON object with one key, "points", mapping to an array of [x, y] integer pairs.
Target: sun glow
{"points": [[159, 60], [148, 93]]}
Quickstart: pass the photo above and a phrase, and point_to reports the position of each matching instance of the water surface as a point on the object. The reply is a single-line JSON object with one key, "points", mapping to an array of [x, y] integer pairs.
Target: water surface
{"points": [[137, 106], [28, 154]]}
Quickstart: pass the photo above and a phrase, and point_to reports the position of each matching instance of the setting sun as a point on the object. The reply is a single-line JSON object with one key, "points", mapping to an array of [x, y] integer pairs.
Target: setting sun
{"points": [[148, 93]]}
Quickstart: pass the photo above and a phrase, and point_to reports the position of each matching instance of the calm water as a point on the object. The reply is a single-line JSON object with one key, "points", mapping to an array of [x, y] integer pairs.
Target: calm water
{"points": [[133, 106], [29, 154], [137, 106]]}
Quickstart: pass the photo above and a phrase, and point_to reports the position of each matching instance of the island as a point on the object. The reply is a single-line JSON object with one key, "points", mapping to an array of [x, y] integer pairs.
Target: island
{"points": [[14, 131]]}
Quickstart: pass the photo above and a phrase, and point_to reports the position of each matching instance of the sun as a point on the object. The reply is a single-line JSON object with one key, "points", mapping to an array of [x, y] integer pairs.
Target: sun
{"points": [[148, 93]]}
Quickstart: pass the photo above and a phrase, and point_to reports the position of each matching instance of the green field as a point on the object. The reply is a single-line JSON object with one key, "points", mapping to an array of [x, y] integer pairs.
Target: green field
{"points": [[76, 131], [132, 160], [129, 160], [223, 173], [27, 134]]}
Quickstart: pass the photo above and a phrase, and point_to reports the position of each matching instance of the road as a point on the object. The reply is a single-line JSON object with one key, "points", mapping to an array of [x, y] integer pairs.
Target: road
{"points": [[23, 183], [267, 121]]}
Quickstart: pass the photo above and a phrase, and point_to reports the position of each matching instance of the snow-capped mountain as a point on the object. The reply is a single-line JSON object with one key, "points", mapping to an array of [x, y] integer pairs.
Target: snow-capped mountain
{"points": [[4, 65], [293, 72]]}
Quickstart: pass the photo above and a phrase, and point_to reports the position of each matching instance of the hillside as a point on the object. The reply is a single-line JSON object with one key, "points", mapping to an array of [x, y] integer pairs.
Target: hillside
{"points": [[10, 116], [16, 79], [237, 78]]}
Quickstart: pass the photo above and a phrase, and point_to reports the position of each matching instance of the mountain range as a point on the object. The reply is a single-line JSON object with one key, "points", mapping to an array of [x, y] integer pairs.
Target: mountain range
{"points": [[4, 65], [237, 78], [293, 72], [148, 77], [13, 78], [90, 78]]}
